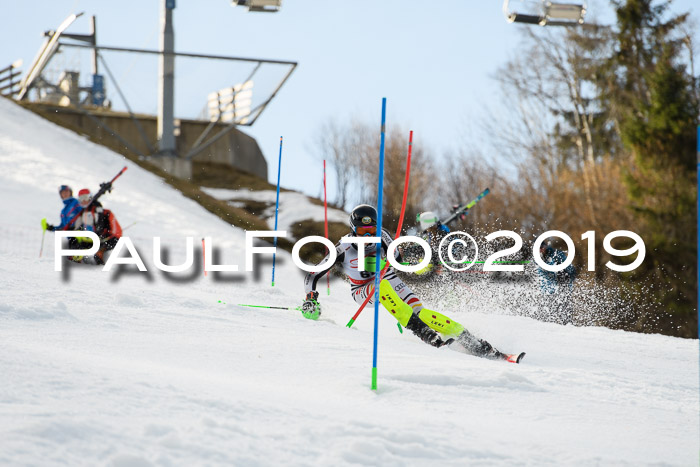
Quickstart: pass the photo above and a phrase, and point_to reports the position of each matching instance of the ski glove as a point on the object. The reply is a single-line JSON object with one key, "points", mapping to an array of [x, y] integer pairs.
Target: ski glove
{"points": [[311, 309], [46, 226]]}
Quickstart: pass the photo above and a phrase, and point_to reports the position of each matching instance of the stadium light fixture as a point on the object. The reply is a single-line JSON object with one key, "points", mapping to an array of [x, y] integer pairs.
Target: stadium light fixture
{"points": [[564, 12], [548, 13], [264, 6]]}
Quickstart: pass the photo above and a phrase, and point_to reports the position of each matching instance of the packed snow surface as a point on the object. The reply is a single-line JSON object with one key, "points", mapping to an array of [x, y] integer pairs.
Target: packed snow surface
{"points": [[136, 368]]}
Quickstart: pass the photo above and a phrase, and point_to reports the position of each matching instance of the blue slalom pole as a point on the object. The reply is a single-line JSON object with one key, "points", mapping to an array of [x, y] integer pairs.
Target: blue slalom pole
{"points": [[377, 271], [277, 209]]}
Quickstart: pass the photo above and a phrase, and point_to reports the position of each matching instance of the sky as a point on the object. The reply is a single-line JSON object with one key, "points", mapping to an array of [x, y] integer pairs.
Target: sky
{"points": [[435, 63]]}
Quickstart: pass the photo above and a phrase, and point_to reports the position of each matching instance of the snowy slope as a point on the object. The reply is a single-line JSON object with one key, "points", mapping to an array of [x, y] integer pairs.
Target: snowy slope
{"points": [[138, 369]]}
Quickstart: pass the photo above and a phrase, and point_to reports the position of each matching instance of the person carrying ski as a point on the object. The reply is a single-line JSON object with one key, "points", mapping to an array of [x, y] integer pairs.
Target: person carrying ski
{"points": [[86, 220], [431, 327], [430, 225], [99, 220], [432, 231], [556, 287]]}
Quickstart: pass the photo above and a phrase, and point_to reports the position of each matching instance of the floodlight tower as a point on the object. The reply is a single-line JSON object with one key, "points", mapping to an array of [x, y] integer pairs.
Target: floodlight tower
{"points": [[166, 83]]}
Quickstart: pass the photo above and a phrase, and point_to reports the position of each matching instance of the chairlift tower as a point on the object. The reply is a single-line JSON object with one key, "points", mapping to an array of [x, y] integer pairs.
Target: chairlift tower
{"points": [[173, 153]]}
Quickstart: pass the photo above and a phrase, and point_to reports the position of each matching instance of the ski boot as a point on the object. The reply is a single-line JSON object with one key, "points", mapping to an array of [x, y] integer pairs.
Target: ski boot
{"points": [[424, 333], [311, 309], [92, 260]]}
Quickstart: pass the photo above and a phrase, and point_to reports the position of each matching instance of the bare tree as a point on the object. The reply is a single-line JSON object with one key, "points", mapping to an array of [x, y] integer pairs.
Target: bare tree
{"points": [[561, 126], [333, 146], [353, 150]]}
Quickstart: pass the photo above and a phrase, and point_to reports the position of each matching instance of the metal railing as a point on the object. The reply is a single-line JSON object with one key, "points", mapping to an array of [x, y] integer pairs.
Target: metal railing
{"points": [[9, 86]]}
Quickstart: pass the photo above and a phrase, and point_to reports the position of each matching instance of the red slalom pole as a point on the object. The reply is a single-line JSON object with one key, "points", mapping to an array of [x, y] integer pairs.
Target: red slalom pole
{"points": [[405, 187], [398, 229], [325, 216]]}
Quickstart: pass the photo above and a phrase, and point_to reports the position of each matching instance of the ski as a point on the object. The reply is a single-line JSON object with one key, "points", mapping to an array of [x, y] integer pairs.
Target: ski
{"points": [[515, 358], [465, 208]]}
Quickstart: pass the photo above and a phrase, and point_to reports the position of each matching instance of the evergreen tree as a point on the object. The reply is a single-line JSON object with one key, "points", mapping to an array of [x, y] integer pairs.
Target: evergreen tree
{"points": [[653, 99]]}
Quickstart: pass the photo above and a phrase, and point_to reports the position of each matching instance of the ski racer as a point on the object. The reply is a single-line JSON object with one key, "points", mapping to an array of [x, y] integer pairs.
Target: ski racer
{"points": [[431, 327], [99, 220], [432, 231], [430, 225], [556, 287]]}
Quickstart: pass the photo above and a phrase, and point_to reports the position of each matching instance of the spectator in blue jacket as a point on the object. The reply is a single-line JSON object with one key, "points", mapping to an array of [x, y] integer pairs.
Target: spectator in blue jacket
{"points": [[71, 207], [556, 287]]}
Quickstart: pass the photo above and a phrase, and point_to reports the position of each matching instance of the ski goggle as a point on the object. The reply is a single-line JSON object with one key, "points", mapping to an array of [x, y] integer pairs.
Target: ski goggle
{"points": [[365, 230]]}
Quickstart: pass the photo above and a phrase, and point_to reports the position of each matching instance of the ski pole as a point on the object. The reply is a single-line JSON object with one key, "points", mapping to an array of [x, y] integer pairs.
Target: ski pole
{"points": [[325, 220], [130, 225], [398, 229], [271, 307], [277, 208], [43, 234]]}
